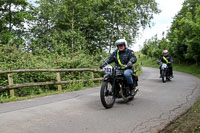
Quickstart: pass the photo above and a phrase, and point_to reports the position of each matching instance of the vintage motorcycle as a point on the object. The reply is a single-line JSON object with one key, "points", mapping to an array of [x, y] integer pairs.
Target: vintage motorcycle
{"points": [[114, 86], [165, 74]]}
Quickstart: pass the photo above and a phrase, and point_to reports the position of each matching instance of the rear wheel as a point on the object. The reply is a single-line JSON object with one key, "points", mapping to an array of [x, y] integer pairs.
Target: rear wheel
{"points": [[107, 95], [125, 93], [168, 75]]}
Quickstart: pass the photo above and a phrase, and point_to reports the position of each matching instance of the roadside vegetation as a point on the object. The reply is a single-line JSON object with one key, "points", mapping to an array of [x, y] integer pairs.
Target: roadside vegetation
{"points": [[14, 59], [23, 60], [64, 34]]}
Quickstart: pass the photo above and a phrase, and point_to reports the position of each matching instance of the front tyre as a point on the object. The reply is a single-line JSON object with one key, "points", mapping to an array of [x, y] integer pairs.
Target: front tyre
{"points": [[163, 75], [107, 95]]}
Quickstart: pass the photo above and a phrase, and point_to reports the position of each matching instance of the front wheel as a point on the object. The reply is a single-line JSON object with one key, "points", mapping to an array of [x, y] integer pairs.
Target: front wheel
{"points": [[106, 94], [163, 75]]}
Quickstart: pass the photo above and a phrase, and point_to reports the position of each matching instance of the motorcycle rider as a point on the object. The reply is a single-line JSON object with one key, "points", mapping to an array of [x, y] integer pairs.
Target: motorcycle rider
{"points": [[123, 56], [166, 58]]}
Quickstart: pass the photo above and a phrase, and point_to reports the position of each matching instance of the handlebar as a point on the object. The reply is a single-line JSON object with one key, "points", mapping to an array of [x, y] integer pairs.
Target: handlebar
{"points": [[121, 67]]}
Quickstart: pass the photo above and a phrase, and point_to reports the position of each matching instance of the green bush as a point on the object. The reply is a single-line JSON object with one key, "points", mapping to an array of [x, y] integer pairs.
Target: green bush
{"points": [[12, 59]]}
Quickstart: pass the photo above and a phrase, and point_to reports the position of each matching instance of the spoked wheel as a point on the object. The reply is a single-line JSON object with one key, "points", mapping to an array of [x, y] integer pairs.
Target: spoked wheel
{"points": [[163, 74], [107, 95]]}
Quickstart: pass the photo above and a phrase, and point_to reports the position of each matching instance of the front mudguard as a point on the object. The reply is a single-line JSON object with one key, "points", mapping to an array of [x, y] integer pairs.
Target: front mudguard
{"points": [[107, 78]]}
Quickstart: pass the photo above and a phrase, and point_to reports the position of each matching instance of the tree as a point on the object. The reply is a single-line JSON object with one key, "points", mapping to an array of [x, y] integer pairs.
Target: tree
{"points": [[92, 25], [152, 47], [184, 33], [13, 15], [183, 37], [57, 25]]}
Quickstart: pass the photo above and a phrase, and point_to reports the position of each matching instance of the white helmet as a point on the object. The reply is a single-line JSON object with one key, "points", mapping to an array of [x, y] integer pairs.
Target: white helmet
{"points": [[121, 42], [165, 52]]}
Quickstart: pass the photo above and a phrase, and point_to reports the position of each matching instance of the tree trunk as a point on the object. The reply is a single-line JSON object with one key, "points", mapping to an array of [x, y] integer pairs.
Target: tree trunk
{"points": [[72, 29], [111, 37], [10, 17]]}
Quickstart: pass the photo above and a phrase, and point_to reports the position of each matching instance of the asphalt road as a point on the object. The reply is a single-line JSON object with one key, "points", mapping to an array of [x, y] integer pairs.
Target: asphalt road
{"points": [[155, 105]]}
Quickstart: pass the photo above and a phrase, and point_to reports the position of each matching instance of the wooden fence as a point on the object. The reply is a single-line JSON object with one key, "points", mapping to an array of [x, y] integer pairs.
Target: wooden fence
{"points": [[12, 86]]}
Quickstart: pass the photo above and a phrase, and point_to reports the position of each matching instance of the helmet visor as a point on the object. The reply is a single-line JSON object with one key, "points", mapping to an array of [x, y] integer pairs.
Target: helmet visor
{"points": [[120, 44], [165, 53]]}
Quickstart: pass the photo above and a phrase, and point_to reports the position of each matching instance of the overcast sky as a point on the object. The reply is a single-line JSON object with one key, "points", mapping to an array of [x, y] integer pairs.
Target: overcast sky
{"points": [[162, 21]]}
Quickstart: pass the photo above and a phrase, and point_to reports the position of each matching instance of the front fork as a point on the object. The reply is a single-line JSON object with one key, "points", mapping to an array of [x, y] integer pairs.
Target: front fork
{"points": [[114, 87], [112, 81], [164, 72]]}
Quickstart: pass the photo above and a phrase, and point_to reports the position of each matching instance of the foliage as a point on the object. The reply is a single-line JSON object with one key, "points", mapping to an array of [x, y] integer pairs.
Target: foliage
{"points": [[153, 47], [12, 59], [64, 34], [182, 40], [13, 15], [91, 25]]}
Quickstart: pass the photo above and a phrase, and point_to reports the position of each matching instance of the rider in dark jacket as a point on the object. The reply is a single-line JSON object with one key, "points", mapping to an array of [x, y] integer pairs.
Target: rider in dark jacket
{"points": [[123, 56], [168, 60]]}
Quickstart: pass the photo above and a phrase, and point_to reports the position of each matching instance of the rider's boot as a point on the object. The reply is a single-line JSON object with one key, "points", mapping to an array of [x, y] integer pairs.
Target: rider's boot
{"points": [[171, 75], [132, 90]]}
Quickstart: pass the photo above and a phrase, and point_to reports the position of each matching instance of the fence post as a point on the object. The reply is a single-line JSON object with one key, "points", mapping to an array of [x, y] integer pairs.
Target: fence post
{"points": [[10, 81], [59, 79], [92, 75]]}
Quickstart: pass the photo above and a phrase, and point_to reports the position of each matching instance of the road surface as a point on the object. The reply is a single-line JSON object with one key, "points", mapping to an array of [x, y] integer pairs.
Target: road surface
{"points": [[155, 105]]}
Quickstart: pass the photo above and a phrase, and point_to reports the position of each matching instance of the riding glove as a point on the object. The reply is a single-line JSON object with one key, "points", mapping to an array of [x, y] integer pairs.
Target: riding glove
{"points": [[129, 65], [103, 64]]}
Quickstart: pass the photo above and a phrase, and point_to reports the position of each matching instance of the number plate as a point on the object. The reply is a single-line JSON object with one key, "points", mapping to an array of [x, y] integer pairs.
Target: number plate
{"points": [[108, 69], [164, 66]]}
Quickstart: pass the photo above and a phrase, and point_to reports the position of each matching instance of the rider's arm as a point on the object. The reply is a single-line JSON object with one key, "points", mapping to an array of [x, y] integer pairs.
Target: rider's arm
{"points": [[161, 59], [133, 58], [171, 60], [111, 58], [108, 61]]}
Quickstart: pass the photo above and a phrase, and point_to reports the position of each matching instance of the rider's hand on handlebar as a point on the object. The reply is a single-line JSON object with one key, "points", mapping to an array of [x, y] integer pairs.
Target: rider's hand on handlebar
{"points": [[129, 65], [102, 64]]}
